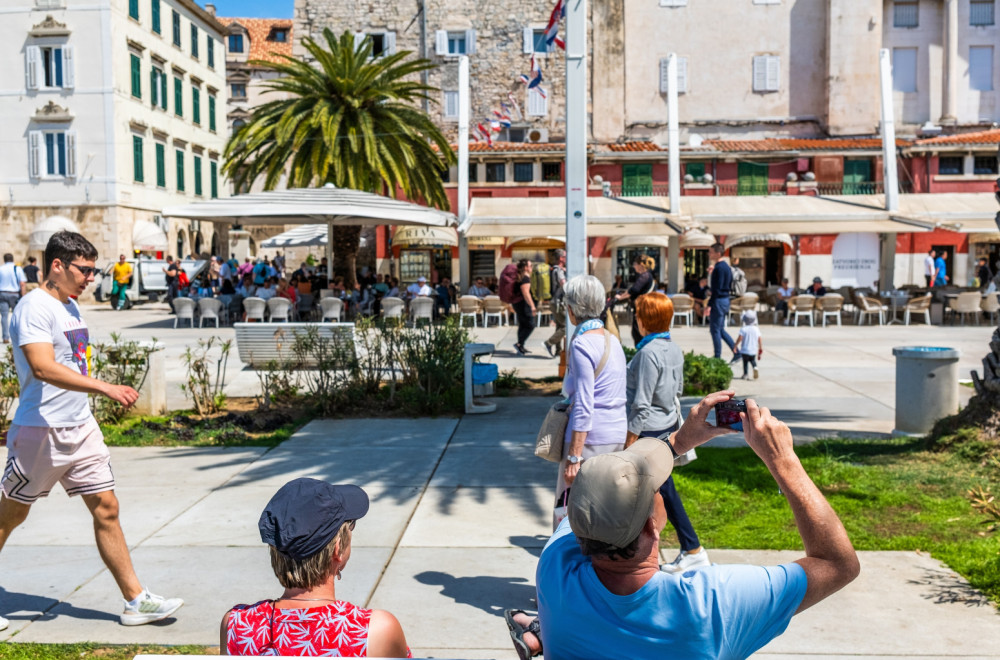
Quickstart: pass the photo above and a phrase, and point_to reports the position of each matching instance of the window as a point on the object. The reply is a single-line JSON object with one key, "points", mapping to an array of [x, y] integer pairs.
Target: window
{"points": [[136, 76], [538, 104], [904, 70], [905, 14], [52, 66], [382, 43], [55, 154], [210, 46], [211, 112], [524, 172], [279, 35], [455, 43], [473, 172], [213, 178], [697, 170], [950, 165], [238, 124], [154, 6], [133, 9], [637, 180], [178, 96], [158, 87], [177, 28], [534, 41], [195, 104], [161, 165], [984, 165], [179, 158], [766, 73], [496, 172], [981, 68], [239, 90], [194, 40], [52, 153], [48, 66], [137, 159], [451, 105], [197, 175], [551, 171], [981, 12], [236, 43], [682, 75]]}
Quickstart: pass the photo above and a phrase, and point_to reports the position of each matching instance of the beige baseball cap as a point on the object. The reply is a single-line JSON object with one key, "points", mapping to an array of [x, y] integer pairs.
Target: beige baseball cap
{"points": [[612, 495]]}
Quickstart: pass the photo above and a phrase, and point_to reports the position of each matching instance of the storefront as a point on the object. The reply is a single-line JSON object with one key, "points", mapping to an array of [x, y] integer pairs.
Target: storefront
{"points": [[761, 256], [536, 250], [424, 252], [624, 250]]}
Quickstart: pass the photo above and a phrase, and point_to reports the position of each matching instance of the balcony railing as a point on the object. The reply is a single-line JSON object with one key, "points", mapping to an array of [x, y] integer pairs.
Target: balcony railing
{"points": [[754, 189]]}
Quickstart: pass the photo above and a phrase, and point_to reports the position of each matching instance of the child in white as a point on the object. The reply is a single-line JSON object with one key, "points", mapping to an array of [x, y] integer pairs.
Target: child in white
{"points": [[749, 344]]}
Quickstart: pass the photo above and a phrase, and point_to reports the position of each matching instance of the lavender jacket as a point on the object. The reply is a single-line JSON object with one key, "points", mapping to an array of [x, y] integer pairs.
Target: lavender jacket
{"points": [[598, 407]]}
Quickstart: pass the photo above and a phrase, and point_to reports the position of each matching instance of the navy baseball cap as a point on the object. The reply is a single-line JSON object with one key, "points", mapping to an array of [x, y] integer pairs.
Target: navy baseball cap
{"points": [[305, 514]]}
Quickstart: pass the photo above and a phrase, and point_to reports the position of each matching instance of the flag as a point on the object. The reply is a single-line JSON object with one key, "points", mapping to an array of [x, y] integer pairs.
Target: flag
{"points": [[516, 105], [524, 79], [485, 133], [552, 29], [502, 117], [537, 80]]}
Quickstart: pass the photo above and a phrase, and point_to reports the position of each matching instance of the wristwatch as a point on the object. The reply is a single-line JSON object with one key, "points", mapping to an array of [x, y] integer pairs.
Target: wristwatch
{"points": [[573, 460]]}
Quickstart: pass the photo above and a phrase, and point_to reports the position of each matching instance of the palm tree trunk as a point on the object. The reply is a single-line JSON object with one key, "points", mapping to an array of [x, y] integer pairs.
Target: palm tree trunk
{"points": [[346, 241]]}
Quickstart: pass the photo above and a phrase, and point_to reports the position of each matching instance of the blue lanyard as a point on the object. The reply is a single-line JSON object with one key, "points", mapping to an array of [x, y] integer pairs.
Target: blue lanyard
{"points": [[648, 338], [586, 326]]}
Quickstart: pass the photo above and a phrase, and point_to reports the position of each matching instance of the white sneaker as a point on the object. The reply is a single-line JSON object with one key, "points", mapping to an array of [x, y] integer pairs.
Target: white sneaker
{"points": [[148, 607], [756, 373], [4, 623], [686, 562]]}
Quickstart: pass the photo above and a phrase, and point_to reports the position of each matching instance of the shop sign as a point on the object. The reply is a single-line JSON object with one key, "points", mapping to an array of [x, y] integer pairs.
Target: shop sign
{"points": [[855, 260]]}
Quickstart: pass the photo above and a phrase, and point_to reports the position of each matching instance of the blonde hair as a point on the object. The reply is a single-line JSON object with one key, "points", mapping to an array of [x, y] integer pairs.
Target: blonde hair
{"points": [[311, 571]]}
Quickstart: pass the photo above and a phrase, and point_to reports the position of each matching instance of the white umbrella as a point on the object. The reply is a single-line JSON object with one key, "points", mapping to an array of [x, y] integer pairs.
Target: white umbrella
{"points": [[301, 236]]}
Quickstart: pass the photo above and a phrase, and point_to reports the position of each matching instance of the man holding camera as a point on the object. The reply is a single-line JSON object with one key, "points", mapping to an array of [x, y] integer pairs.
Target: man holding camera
{"points": [[601, 593]]}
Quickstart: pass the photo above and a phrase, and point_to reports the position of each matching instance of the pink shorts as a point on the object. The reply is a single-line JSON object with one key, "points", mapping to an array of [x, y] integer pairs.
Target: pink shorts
{"points": [[38, 457]]}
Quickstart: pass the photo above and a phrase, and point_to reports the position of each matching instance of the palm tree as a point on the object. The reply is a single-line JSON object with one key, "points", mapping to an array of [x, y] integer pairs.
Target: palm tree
{"points": [[353, 121]]}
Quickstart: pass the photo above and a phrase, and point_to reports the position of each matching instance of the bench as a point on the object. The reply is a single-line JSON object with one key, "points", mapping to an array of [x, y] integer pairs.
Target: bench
{"points": [[261, 343]]}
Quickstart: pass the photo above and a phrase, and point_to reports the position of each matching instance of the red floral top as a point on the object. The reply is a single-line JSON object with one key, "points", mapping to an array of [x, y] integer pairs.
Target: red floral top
{"points": [[339, 629]]}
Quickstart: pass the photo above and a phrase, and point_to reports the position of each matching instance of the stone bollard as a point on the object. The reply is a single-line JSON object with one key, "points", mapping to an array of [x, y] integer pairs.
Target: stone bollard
{"points": [[926, 387], [153, 394]]}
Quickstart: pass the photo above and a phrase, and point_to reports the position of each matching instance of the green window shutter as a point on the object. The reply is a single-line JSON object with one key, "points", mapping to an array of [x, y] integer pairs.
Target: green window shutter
{"points": [[196, 105], [180, 170], [197, 175], [210, 44], [751, 179], [161, 166], [213, 170], [163, 90], [637, 180], [194, 40], [858, 177], [136, 76], [153, 87], [133, 9], [697, 170], [177, 28], [211, 113], [137, 158], [155, 13], [178, 97]]}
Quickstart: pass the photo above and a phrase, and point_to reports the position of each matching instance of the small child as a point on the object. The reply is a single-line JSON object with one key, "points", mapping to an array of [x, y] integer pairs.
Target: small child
{"points": [[749, 345]]}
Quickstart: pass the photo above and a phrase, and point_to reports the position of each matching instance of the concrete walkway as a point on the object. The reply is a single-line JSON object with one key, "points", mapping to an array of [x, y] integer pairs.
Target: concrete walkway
{"points": [[460, 512]]}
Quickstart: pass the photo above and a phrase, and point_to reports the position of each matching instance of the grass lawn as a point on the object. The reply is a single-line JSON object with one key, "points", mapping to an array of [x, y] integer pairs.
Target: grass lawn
{"points": [[170, 432], [890, 494], [12, 651]]}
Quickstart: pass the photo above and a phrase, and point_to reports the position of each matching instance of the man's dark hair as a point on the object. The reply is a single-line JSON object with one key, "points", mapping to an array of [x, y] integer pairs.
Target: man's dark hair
{"points": [[718, 247], [67, 246], [591, 548], [7, 258]]}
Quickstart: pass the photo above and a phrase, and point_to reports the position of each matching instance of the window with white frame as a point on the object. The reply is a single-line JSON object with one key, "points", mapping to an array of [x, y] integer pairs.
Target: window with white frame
{"points": [[450, 105], [52, 153], [905, 14], [454, 43], [49, 67], [538, 103], [533, 41], [982, 12], [383, 43], [682, 75], [904, 70], [766, 73], [981, 68], [158, 86]]}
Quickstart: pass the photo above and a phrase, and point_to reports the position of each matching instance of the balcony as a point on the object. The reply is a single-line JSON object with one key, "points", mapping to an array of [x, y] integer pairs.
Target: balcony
{"points": [[753, 189]]}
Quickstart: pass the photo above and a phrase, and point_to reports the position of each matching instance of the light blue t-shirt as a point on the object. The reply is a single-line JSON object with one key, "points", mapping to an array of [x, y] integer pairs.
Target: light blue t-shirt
{"points": [[719, 612]]}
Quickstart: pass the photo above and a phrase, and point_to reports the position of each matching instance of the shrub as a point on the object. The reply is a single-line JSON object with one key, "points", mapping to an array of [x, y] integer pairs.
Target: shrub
{"points": [[704, 375], [204, 387], [119, 363]]}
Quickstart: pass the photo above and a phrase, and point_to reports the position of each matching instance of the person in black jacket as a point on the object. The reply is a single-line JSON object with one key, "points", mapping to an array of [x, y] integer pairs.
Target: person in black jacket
{"points": [[644, 283], [718, 304]]}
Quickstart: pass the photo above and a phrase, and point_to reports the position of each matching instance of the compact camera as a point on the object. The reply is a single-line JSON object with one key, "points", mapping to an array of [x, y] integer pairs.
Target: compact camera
{"points": [[727, 414]]}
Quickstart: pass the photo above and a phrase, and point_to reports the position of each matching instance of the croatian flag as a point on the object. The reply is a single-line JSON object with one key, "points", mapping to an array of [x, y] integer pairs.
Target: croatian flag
{"points": [[515, 104], [537, 80], [502, 118], [552, 29], [485, 133]]}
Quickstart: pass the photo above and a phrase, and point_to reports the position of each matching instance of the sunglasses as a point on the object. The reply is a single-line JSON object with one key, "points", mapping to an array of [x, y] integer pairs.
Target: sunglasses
{"points": [[351, 524], [86, 271]]}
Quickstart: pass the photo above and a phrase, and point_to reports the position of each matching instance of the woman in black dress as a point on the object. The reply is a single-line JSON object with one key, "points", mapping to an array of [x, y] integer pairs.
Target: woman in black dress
{"points": [[644, 283], [524, 306]]}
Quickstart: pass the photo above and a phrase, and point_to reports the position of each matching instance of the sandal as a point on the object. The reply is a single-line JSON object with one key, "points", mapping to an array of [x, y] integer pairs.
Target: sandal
{"points": [[517, 633]]}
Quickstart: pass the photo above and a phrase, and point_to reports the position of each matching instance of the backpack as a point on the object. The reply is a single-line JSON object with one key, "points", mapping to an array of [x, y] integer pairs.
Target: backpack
{"points": [[182, 279], [558, 277], [541, 283], [507, 290], [739, 282]]}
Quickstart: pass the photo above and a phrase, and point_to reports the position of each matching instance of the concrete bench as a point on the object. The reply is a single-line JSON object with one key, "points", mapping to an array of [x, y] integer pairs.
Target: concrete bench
{"points": [[261, 343]]}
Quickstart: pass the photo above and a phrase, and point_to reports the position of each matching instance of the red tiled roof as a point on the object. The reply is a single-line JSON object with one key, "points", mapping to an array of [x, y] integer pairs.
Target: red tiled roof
{"points": [[258, 30], [979, 137], [504, 147], [632, 147], [793, 144]]}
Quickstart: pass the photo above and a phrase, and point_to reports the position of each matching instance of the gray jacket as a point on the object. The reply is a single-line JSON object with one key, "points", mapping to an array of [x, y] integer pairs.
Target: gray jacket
{"points": [[655, 377]]}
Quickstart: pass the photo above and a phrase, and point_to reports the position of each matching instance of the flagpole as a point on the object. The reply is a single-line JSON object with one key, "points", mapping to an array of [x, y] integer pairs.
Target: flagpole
{"points": [[576, 138]]}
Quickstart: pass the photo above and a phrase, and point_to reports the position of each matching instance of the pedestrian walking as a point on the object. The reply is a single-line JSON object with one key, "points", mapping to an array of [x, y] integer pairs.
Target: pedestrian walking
{"points": [[556, 304], [12, 286], [524, 305], [121, 276], [941, 270], [750, 344], [644, 283], [929, 267], [718, 303]]}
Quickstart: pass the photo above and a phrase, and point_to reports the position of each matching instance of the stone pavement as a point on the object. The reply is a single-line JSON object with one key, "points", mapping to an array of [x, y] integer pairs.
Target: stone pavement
{"points": [[460, 512]]}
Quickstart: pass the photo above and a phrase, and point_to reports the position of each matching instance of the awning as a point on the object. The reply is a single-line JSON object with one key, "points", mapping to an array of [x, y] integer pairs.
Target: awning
{"points": [[965, 212], [536, 241], [695, 238], [43, 230], [486, 241], [425, 237], [302, 236], [546, 216], [743, 239], [984, 237], [147, 237], [638, 241]]}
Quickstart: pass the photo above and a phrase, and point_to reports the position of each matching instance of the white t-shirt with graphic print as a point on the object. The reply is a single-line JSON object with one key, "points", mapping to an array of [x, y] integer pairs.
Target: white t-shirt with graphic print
{"points": [[39, 318]]}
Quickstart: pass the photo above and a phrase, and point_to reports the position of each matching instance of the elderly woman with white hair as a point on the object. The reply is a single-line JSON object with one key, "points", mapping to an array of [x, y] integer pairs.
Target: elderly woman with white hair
{"points": [[594, 383]]}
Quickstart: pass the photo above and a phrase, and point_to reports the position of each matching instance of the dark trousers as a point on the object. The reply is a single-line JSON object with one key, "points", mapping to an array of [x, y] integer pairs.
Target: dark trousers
{"points": [[8, 301], [675, 507], [717, 324], [525, 321], [636, 335], [927, 279], [747, 361]]}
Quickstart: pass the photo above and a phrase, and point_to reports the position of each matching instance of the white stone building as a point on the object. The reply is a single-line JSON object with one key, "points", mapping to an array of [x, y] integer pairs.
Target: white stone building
{"points": [[111, 110]]}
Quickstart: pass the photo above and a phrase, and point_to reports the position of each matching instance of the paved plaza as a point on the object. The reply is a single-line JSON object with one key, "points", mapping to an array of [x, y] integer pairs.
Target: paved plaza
{"points": [[460, 512]]}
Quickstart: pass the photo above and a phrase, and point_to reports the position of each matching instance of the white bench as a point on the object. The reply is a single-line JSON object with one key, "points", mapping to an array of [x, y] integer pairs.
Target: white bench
{"points": [[261, 343]]}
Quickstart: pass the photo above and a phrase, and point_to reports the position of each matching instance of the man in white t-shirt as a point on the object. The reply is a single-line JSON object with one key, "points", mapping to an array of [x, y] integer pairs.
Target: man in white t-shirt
{"points": [[54, 438], [419, 288], [930, 270], [781, 299], [13, 285]]}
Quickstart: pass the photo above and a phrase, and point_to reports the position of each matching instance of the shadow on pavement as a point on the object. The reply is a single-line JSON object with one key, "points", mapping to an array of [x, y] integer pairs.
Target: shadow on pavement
{"points": [[945, 587], [490, 594], [28, 607], [533, 544]]}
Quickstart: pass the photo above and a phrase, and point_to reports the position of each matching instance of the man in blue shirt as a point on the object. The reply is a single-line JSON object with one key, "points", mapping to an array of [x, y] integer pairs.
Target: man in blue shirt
{"points": [[601, 593], [718, 304], [941, 270]]}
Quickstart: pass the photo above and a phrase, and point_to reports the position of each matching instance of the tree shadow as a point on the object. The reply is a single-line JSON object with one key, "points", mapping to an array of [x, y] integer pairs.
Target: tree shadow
{"points": [[945, 587], [483, 592]]}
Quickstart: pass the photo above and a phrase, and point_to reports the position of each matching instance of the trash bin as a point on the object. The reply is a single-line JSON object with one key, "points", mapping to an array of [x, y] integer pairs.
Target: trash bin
{"points": [[477, 376], [926, 387]]}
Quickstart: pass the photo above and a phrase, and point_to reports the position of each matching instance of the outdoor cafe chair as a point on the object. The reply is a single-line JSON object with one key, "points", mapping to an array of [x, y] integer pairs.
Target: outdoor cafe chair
{"points": [[184, 309], [830, 305], [469, 306], [746, 302], [254, 308], [493, 306], [683, 308], [304, 306], [210, 308], [919, 305], [421, 307], [967, 302], [802, 305], [333, 309], [325, 293], [870, 307], [990, 304], [392, 308], [279, 309]]}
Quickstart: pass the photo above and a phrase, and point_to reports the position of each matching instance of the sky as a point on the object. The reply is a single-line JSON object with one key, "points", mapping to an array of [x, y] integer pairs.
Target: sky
{"points": [[253, 8]]}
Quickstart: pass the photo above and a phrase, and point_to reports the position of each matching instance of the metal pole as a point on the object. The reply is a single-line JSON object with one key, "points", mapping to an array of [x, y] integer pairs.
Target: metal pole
{"points": [[673, 142], [576, 137], [889, 175], [423, 50], [464, 276]]}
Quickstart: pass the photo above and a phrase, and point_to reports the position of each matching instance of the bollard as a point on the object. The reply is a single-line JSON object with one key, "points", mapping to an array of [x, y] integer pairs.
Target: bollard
{"points": [[926, 387], [153, 393]]}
